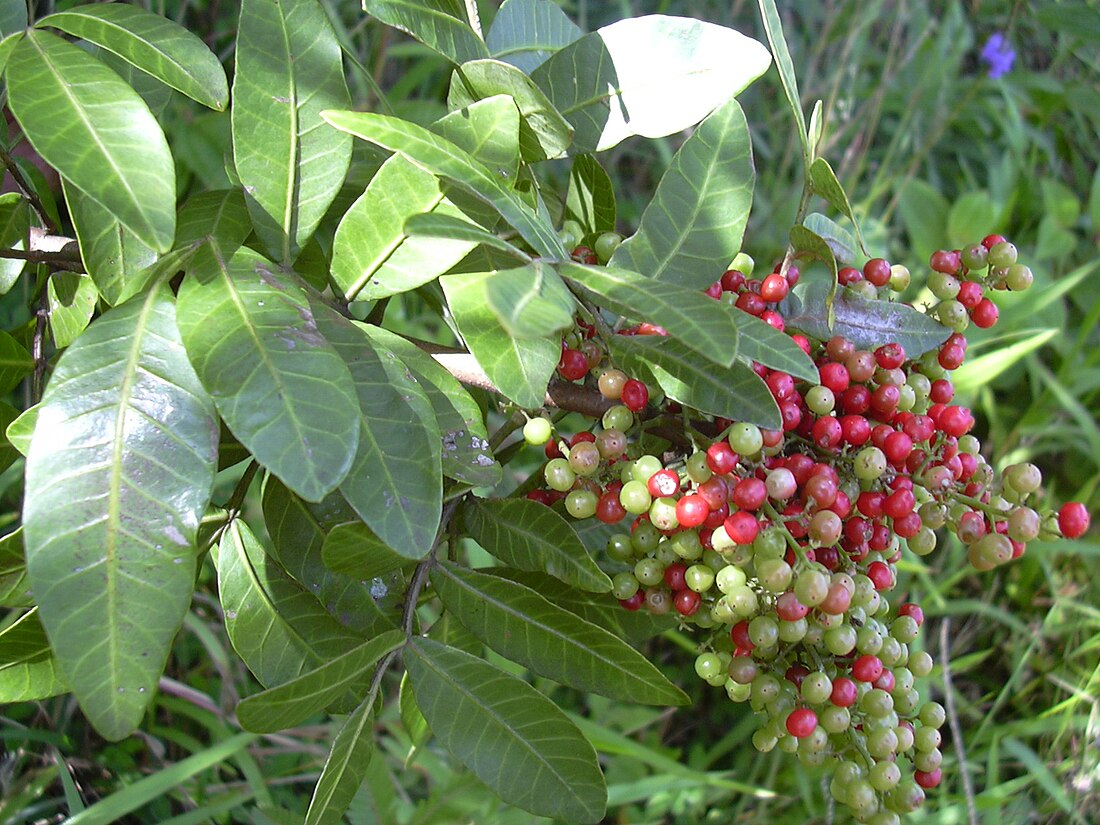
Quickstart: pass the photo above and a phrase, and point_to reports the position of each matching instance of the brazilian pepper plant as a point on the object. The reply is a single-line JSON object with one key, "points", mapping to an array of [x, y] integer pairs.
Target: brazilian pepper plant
{"points": [[744, 452]]}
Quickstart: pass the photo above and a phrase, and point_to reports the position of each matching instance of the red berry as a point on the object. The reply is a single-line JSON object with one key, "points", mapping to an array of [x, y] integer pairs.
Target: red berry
{"points": [[742, 527], [674, 575], [732, 280], [970, 294], [880, 575], [801, 722], [990, 241], [834, 376], [890, 356], [739, 635], [635, 395], [867, 668], [845, 692], [877, 271], [573, 365], [945, 262], [687, 602], [897, 447], [714, 290], [985, 314], [609, 510], [789, 608], [1073, 519], [750, 494], [774, 288], [913, 611], [721, 458], [584, 255], [692, 510], [848, 275], [751, 303], [780, 384], [634, 602], [942, 391], [928, 779], [956, 421], [827, 432], [796, 674]]}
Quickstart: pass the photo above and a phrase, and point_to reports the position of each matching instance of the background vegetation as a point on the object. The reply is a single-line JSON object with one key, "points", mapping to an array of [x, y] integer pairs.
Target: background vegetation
{"points": [[933, 152]]}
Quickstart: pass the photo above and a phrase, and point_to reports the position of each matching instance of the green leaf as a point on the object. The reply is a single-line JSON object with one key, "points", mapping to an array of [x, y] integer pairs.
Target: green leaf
{"points": [[531, 536], [291, 703], [28, 670], [218, 217], [278, 384], [466, 453], [693, 226], [119, 474], [13, 17], [353, 549], [15, 222], [842, 244], [489, 131], [276, 626], [113, 256], [154, 44], [14, 589], [530, 301], [288, 69], [590, 200], [8, 452], [810, 245], [692, 317], [971, 218], [651, 76], [816, 128], [15, 363], [436, 225], [511, 736], [447, 160], [734, 392], [824, 183], [373, 254], [773, 26], [522, 626], [441, 25], [298, 533], [345, 767], [866, 322], [72, 299], [416, 726], [519, 367], [543, 132], [980, 370], [20, 430], [526, 32], [763, 343], [94, 129], [395, 484]]}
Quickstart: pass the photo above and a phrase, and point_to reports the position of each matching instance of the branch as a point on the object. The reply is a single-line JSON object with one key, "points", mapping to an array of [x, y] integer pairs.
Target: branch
{"points": [[56, 251], [27, 190]]}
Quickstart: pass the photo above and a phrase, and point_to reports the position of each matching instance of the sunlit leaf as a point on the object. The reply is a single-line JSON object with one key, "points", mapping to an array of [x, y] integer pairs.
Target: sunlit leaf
{"points": [[526, 32]]}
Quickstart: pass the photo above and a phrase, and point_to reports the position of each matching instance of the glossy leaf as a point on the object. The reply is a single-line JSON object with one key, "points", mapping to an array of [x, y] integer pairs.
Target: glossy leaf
{"points": [[291, 703], [416, 726], [531, 536], [395, 483], [94, 129], [20, 431], [841, 242], [824, 182], [14, 589], [219, 217], [763, 343], [447, 160], [15, 221], [276, 626], [526, 32], [489, 130], [441, 25], [298, 533], [693, 226], [522, 626], [773, 26], [8, 452], [15, 363], [651, 76], [353, 549], [511, 736], [808, 244], [466, 454], [28, 670], [734, 392], [113, 256], [345, 767], [156, 45], [866, 322], [519, 367], [436, 225], [119, 473], [530, 301], [288, 69], [590, 199], [692, 317], [72, 298], [373, 254], [543, 132], [13, 17], [278, 384]]}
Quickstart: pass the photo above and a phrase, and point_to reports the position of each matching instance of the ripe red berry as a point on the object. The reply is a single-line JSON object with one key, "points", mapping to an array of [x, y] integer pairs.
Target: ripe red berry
{"points": [[635, 395], [585, 255], [774, 288], [750, 494], [573, 365], [687, 602], [789, 608], [877, 271], [985, 314], [674, 575], [609, 510], [913, 611], [732, 280], [867, 668], [721, 458], [834, 376], [890, 356], [1073, 519], [946, 262], [970, 293], [714, 290], [742, 527], [990, 241], [692, 510], [801, 722], [928, 779], [848, 275], [634, 602], [845, 692]]}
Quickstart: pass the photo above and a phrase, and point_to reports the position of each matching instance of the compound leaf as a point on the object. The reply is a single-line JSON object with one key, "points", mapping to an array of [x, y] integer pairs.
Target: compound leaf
{"points": [[441, 25]]}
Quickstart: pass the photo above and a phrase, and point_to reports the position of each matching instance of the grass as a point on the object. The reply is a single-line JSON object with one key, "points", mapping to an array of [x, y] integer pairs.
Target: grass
{"points": [[932, 152]]}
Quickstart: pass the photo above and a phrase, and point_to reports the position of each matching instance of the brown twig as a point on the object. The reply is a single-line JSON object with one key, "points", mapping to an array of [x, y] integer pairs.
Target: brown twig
{"points": [[27, 191]]}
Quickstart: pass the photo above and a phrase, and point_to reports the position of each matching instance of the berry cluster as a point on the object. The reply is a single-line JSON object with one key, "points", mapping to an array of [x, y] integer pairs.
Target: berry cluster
{"points": [[781, 546]]}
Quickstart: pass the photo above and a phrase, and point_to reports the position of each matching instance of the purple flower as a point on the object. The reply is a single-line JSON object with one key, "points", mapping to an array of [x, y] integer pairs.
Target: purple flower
{"points": [[998, 55]]}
